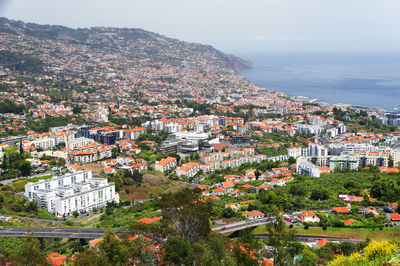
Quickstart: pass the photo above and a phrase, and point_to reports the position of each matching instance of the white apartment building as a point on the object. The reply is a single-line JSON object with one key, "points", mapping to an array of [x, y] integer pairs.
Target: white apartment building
{"points": [[172, 127], [296, 152], [306, 168], [343, 162], [317, 150], [196, 136], [65, 194], [190, 169], [78, 142], [44, 143], [166, 164]]}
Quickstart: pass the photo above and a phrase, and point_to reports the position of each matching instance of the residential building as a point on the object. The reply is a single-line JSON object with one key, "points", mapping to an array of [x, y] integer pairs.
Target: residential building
{"points": [[166, 164], [309, 217], [65, 194], [252, 215]]}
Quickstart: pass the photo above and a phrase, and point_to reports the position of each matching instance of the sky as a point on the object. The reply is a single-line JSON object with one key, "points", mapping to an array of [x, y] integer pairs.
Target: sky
{"points": [[235, 26]]}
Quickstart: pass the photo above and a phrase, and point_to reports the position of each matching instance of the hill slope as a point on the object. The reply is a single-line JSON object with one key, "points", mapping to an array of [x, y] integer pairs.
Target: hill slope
{"points": [[89, 50]]}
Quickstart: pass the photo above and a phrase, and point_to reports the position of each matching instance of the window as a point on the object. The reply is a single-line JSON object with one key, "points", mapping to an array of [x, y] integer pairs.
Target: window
{"points": [[35, 187], [60, 182], [85, 176], [73, 179], [47, 185]]}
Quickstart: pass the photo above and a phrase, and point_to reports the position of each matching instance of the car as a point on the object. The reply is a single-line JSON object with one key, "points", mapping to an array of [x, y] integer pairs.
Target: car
{"points": [[223, 228]]}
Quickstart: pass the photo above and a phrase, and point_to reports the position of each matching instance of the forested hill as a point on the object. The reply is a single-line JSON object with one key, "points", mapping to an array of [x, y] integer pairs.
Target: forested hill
{"points": [[78, 50]]}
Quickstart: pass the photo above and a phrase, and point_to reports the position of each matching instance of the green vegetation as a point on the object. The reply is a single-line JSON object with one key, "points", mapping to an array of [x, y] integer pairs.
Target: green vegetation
{"points": [[14, 164], [11, 107], [44, 125], [21, 62], [358, 120], [19, 185], [14, 204]]}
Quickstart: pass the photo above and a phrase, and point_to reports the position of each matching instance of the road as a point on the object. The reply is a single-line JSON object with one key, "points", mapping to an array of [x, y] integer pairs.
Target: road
{"points": [[98, 233], [55, 232], [305, 238], [232, 227]]}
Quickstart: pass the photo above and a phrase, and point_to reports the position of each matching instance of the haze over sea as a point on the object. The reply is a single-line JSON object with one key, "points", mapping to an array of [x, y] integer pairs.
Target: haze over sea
{"points": [[367, 79]]}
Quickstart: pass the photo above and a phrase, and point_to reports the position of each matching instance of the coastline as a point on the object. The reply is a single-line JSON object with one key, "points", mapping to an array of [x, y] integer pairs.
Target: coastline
{"points": [[355, 81]]}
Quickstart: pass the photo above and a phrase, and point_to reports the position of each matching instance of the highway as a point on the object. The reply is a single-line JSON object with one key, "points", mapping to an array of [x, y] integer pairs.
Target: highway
{"points": [[305, 238], [232, 227], [55, 232], [85, 233]]}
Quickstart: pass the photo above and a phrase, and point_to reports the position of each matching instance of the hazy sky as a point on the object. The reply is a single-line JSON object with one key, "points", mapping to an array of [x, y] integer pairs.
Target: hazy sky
{"points": [[237, 26]]}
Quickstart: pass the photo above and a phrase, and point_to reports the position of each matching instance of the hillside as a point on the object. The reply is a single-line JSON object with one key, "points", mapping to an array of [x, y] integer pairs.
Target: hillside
{"points": [[91, 52]]}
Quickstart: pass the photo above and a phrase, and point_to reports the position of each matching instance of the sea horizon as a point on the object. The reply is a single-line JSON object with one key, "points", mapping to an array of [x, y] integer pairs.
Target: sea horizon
{"points": [[358, 78]]}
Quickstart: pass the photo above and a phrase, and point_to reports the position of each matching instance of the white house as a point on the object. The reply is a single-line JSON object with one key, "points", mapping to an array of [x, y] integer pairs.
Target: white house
{"points": [[252, 215], [309, 217]]}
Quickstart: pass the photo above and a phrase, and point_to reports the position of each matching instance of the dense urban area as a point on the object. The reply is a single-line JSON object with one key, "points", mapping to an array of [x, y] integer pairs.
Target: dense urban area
{"points": [[125, 147]]}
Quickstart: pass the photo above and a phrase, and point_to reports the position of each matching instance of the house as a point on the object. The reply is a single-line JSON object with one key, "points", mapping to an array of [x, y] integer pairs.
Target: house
{"points": [[56, 259], [252, 215], [349, 222], [265, 187], [373, 210], [227, 186], [109, 170], [206, 193], [321, 243], [233, 206], [149, 220], [340, 210], [254, 190], [246, 202], [388, 170], [166, 164], [74, 167], [248, 186], [393, 217], [218, 191], [237, 193], [190, 169], [391, 207], [309, 217]]}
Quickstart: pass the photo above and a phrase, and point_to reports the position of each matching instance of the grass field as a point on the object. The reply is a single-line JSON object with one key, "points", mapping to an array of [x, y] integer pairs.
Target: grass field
{"points": [[154, 184], [352, 233], [94, 167]]}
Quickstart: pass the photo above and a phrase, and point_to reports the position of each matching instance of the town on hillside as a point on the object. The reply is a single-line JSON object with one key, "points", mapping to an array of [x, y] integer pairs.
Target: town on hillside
{"points": [[173, 151]]}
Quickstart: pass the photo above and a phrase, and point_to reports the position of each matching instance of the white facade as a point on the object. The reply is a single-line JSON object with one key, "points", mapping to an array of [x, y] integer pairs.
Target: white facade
{"points": [[306, 168], [65, 194], [78, 142], [44, 143]]}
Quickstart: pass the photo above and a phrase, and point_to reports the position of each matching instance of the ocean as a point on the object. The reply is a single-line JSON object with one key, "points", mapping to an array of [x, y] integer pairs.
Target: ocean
{"points": [[366, 79]]}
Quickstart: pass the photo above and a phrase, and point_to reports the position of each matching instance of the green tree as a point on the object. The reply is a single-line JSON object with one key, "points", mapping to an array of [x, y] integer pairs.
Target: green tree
{"points": [[111, 251], [390, 161], [137, 177], [30, 253], [319, 194], [186, 215], [228, 213], [178, 252], [25, 168], [291, 160]]}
